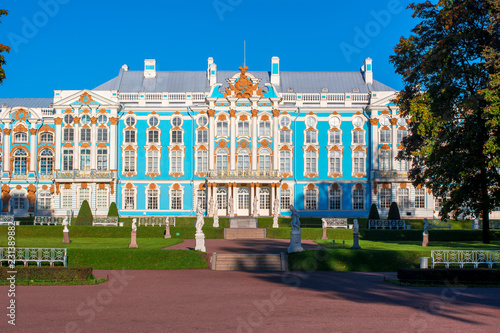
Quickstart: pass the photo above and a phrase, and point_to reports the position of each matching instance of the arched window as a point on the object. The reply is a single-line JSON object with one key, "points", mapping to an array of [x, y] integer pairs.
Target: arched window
{"points": [[243, 159], [359, 162], [46, 138], [222, 198], [384, 160], [46, 162], [153, 158], [102, 159], [20, 162], [335, 161], [243, 198], [221, 159], [85, 159], [264, 128], [265, 159], [222, 128], [243, 128], [20, 137], [202, 161], [285, 161], [265, 198], [385, 198], [44, 200]]}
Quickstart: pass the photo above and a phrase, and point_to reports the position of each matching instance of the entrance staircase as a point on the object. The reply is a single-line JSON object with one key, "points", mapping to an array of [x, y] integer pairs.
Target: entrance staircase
{"points": [[249, 262], [244, 228]]}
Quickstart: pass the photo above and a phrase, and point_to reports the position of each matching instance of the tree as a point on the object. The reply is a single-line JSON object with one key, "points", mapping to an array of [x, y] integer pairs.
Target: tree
{"points": [[113, 210], [443, 68], [3, 48], [393, 212], [84, 215], [373, 215]]}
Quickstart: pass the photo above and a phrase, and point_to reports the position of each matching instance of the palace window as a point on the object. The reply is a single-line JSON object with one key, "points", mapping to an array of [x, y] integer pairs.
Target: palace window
{"points": [[102, 198], [85, 119], [402, 165], [335, 198], [46, 138], [176, 137], [68, 119], [402, 133], [130, 136], [385, 136], [265, 160], [176, 121], [66, 198], [311, 136], [153, 136], [102, 159], [152, 199], [359, 162], [68, 135], [286, 199], [102, 119], [311, 162], [67, 159], [102, 135], [129, 198], [153, 121], [243, 159], [153, 161], [265, 128], [384, 160], [44, 200], [384, 121], [20, 137], [404, 198], [176, 161], [243, 128], [20, 162], [202, 136], [265, 198], [311, 199], [385, 198], [285, 136], [335, 158], [419, 198], [202, 198], [221, 159], [285, 122], [358, 199], [202, 161], [85, 159], [18, 201], [130, 121], [202, 121], [334, 137], [358, 137], [84, 194], [243, 198], [176, 199], [85, 134], [222, 128], [46, 162], [285, 161], [222, 198]]}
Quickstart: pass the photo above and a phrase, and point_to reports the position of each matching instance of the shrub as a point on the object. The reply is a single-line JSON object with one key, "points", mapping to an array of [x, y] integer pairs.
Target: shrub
{"points": [[113, 210], [84, 217], [394, 212], [49, 273], [373, 213], [455, 275]]}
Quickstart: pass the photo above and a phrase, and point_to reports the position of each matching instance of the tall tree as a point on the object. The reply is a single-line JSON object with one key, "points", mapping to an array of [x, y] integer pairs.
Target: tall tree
{"points": [[444, 70], [3, 48]]}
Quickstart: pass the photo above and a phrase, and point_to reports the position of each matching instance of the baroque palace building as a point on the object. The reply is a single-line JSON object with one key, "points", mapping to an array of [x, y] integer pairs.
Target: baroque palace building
{"points": [[157, 142]]}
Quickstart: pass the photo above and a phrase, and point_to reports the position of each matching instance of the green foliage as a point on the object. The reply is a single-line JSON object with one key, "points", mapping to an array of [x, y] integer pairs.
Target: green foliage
{"points": [[444, 71], [444, 276], [3, 48], [373, 215], [394, 212], [84, 217], [113, 210], [50, 273]]}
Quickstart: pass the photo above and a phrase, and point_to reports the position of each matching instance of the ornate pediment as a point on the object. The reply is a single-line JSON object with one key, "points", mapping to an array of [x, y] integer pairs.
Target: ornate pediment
{"points": [[243, 86]]}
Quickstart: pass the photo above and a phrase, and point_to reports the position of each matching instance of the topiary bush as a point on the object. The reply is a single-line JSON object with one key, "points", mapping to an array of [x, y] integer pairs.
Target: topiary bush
{"points": [[394, 212], [113, 210], [373, 215], [84, 217]]}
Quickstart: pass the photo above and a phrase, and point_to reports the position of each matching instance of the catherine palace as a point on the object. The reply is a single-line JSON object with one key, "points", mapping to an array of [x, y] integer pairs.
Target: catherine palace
{"points": [[160, 142]]}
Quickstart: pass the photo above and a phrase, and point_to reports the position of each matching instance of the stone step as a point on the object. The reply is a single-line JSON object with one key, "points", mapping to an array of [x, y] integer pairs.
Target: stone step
{"points": [[244, 233], [248, 262], [242, 222]]}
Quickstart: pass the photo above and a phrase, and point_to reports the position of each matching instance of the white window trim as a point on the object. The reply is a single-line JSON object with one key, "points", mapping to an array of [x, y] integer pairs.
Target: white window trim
{"points": [[97, 198], [196, 169], [171, 188], [311, 143], [290, 188], [341, 197], [290, 164], [158, 188], [170, 164], [353, 163], [363, 135], [363, 187], [316, 173], [134, 189], [136, 149], [341, 171], [182, 136], [146, 172], [304, 191]]}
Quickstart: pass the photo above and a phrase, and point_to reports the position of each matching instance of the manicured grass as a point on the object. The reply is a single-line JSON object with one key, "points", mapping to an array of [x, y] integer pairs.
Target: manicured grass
{"points": [[54, 283]]}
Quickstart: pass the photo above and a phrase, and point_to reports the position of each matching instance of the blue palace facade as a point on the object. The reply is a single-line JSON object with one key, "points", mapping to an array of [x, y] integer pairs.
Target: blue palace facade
{"points": [[159, 142]]}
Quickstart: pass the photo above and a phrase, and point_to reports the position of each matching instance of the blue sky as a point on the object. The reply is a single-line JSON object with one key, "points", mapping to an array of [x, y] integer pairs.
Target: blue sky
{"points": [[74, 44]]}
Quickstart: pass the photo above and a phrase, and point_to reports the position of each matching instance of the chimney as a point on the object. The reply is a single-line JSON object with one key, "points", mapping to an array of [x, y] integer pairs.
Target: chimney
{"points": [[367, 71], [275, 71], [149, 68], [212, 71]]}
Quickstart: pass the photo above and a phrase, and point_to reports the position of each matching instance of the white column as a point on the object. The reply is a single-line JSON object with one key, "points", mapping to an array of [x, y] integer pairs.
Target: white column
{"points": [[211, 139], [76, 153], [252, 198], [394, 140], [58, 143], [33, 141], [232, 117], [278, 194], [276, 114], [374, 124], [93, 149], [6, 148], [112, 142], [254, 139], [273, 196]]}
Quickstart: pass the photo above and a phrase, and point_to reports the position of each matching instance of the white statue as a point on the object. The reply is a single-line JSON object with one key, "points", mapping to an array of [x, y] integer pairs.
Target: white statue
{"points": [[355, 228], [211, 206], [277, 209], [134, 224], [200, 218], [65, 224], [426, 227], [256, 207], [216, 214], [295, 219], [231, 206]]}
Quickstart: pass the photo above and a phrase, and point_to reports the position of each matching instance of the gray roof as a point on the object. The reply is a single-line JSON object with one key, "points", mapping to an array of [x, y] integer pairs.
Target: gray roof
{"points": [[27, 102], [196, 81]]}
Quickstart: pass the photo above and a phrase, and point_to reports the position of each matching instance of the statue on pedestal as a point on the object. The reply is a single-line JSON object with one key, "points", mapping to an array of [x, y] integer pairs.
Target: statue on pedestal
{"points": [[295, 238], [211, 206], [230, 205], [200, 218], [256, 207], [295, 219], [276, 213], [134, 224], [65, 224]]}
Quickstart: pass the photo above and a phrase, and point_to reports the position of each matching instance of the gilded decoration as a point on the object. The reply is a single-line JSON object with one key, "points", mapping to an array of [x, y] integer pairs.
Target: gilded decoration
{"points": [[113, 120], [84, 185], [152, 186], [57, 121], [57, 189], [68, 111], [243, 87], [51, 189], [375, 187], [394, 121], [68, 186], [401, 128], [335, 186], [85, 111], [85, 98], [311, 175], [176, 186], [6, 131], [358, 148], [358, 186], [33, 131], [211, 113], [222, 117], [21, 115], [5, 197], [284, 186], [129, 186], [359, 175], [232, 113], [76, 120], [264, 117], [201, 186], [202, 147], [285, 147], [385, 112], [31, 197], [374, 122], [243, 144], [255, 113], [102, 186], [286, 175], [264, 143], [402, 185], [44, 187], [19, 187], [311, 148], [112, 187], [21, 128], [385, 128], [276, 113], [101, 145], [93, 120], [68, 145], [85, 145], [385, 146]]}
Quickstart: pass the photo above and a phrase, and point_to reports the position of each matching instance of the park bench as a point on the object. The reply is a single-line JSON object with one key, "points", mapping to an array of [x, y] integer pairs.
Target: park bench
{"points": [[49, 220], [493, 224], [7, 220], [335, 223], [37, 255], [105, 221], [433, 224], [462, 257], [386, 224], [156, 221]]}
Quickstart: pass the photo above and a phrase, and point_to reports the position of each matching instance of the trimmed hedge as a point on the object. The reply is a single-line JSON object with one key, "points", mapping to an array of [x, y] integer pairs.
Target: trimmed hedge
{"points": [[434, 235], [113, 210], [62, 274], [373, 215], [394, 212], [84, 217], [450, 276]]}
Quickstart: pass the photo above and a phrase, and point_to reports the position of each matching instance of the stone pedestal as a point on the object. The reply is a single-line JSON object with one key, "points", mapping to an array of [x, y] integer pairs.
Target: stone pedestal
{"points": [[167, 231], [66, 237], [476, 224], [295, 242], [216, 221], [275, 222], [425, 241], [324, 234], [133, 239], [355, 244], [200, 242], [424, 262]]}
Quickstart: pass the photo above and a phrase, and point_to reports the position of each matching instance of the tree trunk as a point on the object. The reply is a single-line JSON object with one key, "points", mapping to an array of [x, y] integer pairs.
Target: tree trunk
{"points": [[485, 208]]}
